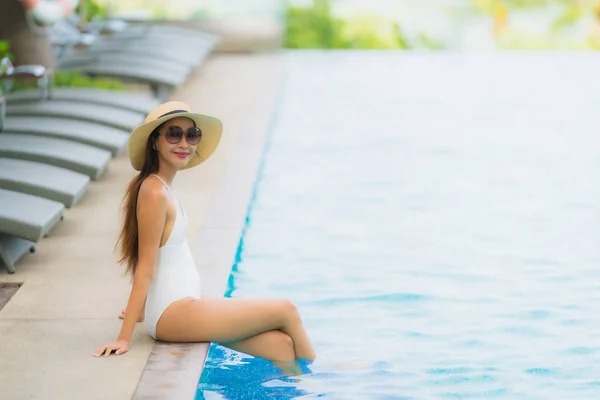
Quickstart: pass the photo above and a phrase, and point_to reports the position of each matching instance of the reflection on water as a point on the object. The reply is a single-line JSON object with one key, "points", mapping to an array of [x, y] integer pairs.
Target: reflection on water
{"points": [[435, 218]]}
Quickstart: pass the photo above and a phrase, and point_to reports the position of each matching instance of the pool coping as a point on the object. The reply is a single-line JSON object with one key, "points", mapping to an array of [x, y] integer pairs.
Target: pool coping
{"points": [[173, 370]]}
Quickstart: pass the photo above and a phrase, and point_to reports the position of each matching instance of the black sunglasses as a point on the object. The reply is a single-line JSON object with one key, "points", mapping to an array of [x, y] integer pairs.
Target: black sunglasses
{"points": [[174, 134]]}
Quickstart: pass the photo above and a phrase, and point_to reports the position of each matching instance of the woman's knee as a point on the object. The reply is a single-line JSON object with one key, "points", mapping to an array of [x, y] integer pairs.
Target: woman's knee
{"points": [[284, 345], [289, 310], [285, 341]]}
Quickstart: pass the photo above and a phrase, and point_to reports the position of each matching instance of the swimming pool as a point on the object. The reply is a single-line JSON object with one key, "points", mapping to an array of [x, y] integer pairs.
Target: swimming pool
{"points": [[435, 219]]}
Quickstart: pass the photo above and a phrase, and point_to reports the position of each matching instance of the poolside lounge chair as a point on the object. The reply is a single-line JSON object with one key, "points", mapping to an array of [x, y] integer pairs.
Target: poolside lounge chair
{"points": [[26, 217], [153, 31], [160, 75], [162, 70], [171, 56], [163, 81], [117, 34], [124, 100], [101, 114], [77, 157], [12, 249], [151, 63], [37, 72], [43, 180], [74, 109], [86, 57], [116, 29], [120, 99], [103, 137]]}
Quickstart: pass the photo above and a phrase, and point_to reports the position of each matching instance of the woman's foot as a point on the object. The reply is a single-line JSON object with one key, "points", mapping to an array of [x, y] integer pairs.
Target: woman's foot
{"points": [[289, 368]]}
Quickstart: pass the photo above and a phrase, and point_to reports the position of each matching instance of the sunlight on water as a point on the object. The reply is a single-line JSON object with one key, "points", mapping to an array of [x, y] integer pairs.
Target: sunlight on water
{"points": [[435, 219]]}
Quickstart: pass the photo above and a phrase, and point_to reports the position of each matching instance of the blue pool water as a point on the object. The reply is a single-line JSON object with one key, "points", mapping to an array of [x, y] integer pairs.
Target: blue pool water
{"points": [[435, 218]]}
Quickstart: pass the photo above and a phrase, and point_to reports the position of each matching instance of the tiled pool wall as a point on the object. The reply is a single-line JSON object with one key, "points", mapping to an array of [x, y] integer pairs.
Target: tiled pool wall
{"points": [[254, 189]]}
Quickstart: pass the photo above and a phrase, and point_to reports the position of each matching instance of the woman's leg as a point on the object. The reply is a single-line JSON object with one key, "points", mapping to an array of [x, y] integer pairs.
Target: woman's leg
{"points": [[225, 320], [272, 345]]}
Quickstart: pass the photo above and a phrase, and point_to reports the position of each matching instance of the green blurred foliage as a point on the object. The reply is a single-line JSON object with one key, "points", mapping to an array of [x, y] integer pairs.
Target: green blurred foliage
{"points": [[573, 10], [315, 27], [559, 34], [93, 9], [200, 14], [73, 78], [572, 14], [63, 78], [488, 6], [5, 50]]}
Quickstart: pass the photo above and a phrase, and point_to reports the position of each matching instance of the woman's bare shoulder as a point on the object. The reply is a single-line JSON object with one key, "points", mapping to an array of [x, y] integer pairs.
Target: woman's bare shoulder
{"points": [[152, 194]]}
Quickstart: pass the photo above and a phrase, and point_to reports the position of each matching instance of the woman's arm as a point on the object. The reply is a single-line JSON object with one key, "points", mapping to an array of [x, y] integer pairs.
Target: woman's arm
{"points": [[141, 317], [152, 215], [135, 306]]}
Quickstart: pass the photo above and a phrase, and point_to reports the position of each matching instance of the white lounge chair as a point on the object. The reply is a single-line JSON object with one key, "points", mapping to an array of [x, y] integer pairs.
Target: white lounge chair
{"points": [[100, 136], [43, 180], [24, 220], [77, 157]]}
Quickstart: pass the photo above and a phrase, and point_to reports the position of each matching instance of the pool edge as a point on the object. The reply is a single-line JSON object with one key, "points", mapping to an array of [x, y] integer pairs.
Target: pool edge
{"points": [[174, 370]]}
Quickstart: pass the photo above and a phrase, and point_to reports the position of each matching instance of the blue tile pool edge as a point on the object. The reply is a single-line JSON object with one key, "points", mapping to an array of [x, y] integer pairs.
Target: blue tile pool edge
{"points": [[258, 177]]}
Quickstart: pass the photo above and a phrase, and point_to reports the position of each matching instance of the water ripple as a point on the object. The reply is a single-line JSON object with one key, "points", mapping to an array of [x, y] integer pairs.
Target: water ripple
{"points": [[435, 219], [383, 298]]}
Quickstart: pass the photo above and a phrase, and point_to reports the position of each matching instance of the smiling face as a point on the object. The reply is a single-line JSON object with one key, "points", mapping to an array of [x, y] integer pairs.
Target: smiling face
{"points": [[173, 142]]}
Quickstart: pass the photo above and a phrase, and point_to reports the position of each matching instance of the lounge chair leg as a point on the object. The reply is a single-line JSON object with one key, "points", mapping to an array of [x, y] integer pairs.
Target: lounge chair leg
{"points": [[43, 88], [2, 112], [12, 249], [161, 92], [51, 83], [9, 267], [155, 90]]}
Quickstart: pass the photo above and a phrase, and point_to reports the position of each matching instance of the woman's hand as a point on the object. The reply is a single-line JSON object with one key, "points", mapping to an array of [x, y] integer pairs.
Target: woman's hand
{"points": [[122, 315], [119, 347]]}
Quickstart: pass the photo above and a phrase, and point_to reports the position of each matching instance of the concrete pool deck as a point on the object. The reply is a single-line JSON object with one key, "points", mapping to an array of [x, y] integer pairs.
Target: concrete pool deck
{"points": [[73, 290]]}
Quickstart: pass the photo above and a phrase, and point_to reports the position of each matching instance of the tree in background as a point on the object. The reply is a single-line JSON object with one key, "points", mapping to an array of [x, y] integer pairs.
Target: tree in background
{"points": [[316, 27]]}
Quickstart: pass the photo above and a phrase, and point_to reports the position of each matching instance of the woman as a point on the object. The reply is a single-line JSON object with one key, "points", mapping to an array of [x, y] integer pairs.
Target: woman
{"points": [[166, 284]]}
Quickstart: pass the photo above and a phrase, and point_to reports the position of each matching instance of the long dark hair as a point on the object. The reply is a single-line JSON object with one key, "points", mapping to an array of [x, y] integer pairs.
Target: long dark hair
{"points": [[128, 238]]}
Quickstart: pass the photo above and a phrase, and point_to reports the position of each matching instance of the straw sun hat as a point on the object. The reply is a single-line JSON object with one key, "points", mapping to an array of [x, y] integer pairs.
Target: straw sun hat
{"points": [[211, 128]]}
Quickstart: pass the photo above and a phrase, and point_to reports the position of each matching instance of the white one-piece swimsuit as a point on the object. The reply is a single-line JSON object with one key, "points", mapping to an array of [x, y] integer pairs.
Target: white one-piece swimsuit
{"points": [[176, 274]]}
